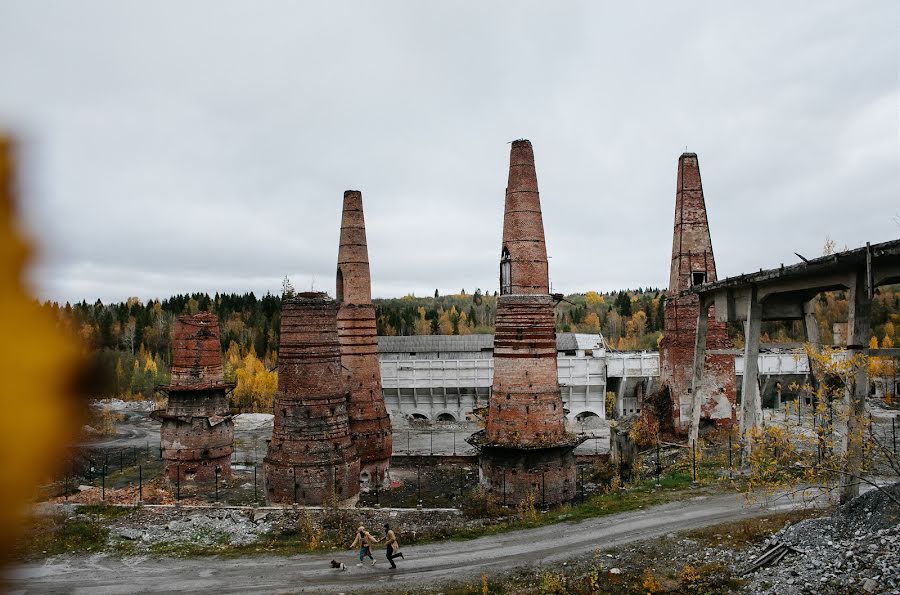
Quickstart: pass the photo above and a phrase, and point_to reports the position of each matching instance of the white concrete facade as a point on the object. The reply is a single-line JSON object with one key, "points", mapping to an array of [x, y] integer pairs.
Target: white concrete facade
{"points": [[446, 378]]}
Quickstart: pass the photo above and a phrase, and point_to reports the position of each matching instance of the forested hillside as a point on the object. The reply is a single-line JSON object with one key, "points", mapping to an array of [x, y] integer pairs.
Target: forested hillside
{"points": [[132, 341]]}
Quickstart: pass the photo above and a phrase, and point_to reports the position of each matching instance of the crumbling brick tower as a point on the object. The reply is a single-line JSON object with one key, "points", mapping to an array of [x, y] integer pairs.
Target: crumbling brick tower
{"points": [[524, 447], [311, 458], [197, 434], [692, 264], [370, 425]]}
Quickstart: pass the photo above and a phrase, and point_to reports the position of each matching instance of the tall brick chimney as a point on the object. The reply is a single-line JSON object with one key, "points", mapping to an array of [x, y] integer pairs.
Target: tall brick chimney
{"points": [[524, 447], [692, 264], [370, 425], [197, 434], [523, 258], [311, 458]]}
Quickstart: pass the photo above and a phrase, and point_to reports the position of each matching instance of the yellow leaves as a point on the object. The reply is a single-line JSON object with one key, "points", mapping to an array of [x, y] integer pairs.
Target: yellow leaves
{"points": [[591, 323], [650, 583], [37, 364], [444, 325], [149, 365], [594, 299], [463, 324], [255, 385], [689, 574]]}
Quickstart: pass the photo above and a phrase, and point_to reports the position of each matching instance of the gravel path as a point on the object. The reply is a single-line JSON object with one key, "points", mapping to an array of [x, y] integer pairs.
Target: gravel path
{"points": [[426, 564]]}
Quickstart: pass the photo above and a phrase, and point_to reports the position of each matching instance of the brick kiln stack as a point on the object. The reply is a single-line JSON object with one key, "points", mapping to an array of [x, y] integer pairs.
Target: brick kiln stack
{"points": [[370, 425], [311, 458], [197, 434], [693, 263], [525, 447]]}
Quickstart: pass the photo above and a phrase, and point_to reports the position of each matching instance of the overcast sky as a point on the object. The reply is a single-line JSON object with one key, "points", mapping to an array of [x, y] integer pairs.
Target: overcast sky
{"points": [[170, 147]]}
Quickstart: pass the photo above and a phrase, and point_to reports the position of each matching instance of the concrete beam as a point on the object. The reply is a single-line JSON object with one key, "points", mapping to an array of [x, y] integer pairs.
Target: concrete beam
{"points": [[751, 405], [697, 380], [859, 327]]}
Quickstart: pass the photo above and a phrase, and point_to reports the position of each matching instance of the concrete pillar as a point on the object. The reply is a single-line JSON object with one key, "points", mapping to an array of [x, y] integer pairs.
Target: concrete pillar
{"points": [[751, 406], [858, 330], [697, 379]]}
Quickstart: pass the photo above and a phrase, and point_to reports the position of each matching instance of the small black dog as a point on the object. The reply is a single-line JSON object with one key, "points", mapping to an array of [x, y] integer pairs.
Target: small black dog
{"points": [[336, 564]]}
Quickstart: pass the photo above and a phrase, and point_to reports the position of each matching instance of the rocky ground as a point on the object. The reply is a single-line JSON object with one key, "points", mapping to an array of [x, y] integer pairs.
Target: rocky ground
{"points": [[857, 549]]}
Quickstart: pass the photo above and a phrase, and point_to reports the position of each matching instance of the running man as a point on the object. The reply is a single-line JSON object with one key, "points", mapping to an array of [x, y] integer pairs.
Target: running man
{"points": [[392, 549], [365, 541]]}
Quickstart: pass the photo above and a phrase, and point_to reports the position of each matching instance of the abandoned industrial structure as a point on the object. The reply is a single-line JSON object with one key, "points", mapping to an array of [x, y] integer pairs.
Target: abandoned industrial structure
{"points": [[525, 448], [693, 264], [197, 434], [340, 386], [311, 458], [370, 425]]}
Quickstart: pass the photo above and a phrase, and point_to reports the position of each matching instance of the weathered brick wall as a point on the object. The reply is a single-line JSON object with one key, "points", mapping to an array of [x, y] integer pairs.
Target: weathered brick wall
{"points": [[525, 442], [370, 424], [196, 351], [311, 454], [523, 225], [193, 447], [692, 253], [548, 474], [197, 434], [525, 406]]}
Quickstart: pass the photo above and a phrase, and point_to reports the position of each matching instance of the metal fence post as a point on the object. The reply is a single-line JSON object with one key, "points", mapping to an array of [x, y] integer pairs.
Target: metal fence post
{"points": [[658, 463], [694, 458], [582, 483], [543, 491], [894, 432], [255, 499], [103, 496], [419, 483], [140, 484], [729, 455]]}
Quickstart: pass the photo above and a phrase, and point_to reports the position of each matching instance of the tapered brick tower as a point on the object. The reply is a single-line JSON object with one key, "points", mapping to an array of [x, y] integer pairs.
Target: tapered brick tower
{"points": [[197, 434], [311, 458], [370, 425], [524, 447], [692, 264]]}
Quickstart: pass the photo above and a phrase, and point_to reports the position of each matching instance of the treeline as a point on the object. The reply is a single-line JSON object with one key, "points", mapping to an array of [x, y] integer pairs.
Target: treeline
{"points": [[132, 340], [630, 319]]}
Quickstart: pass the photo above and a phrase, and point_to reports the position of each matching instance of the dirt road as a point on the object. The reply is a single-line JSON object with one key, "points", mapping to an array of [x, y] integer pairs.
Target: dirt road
{"points": [[427, 564]]}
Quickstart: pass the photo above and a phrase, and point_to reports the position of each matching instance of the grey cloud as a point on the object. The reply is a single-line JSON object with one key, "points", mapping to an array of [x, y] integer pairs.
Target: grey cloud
{"points": [[205, 146]]}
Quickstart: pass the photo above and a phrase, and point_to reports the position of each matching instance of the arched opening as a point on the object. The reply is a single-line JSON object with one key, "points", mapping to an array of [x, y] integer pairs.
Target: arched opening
{"points": [[446, 417], [505, 272], [586, 415], [339, 289], [418, 416]]}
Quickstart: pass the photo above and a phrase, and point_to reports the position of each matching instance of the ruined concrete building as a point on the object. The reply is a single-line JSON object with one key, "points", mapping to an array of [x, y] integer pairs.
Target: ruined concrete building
{"points": [[197, 434], [370, 425], [693, 264], [311, 458], [524, 447]]}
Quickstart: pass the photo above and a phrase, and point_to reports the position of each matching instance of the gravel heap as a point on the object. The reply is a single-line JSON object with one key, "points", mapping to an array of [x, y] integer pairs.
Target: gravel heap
{"points": [[857, 549], [205, 527]]}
